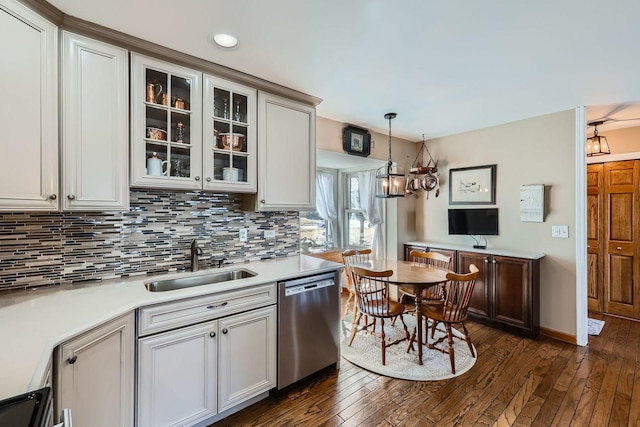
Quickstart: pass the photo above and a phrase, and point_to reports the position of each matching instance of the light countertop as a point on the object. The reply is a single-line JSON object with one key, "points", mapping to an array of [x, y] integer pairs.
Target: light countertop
{"points": [[34, 321], [489, 250]]}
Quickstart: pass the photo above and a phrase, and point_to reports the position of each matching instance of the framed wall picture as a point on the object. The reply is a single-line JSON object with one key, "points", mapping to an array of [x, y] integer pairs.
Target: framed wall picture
{"points": [[472, 186], [356, 141]]}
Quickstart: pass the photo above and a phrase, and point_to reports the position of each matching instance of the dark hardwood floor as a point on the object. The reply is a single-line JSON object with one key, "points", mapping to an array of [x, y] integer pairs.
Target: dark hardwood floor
{"points": [[515, 381]]}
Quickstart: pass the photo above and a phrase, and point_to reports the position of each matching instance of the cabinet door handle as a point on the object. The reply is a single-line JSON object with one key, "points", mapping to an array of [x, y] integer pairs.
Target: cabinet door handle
{"points": [[494, 261], [197, 178], [208, 179], [71, 197], [619, 248], [212, 334], [52, 197], [225, 330], [212, 306], [262, 201], [486, 261], [72, 359]]}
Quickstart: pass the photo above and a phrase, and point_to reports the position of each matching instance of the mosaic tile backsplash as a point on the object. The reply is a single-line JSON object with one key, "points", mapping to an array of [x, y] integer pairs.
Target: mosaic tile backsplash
{"points": [[39, 249]]}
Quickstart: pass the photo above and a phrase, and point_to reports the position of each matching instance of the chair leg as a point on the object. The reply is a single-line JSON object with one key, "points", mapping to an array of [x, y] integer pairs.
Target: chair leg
{"points": [[433, 328], [347, 304], [466, 336], [354, 327], [412, 338], [384, 347], [450, 341]]}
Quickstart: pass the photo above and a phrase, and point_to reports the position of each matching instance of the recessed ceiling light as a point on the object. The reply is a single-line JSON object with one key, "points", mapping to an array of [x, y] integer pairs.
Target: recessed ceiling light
{"points": [[225, 40]]}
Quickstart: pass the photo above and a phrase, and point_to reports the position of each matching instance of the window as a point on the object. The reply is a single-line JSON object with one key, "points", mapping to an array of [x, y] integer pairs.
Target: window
{"points": [[315, 229], [358, 231]]}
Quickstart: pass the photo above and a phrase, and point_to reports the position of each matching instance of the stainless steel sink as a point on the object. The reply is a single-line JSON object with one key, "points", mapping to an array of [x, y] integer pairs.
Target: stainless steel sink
{"points": [[205, 279]]}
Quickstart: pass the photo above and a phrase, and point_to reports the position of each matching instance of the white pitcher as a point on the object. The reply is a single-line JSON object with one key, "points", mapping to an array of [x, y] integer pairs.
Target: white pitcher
{"points": [[156, 166]]}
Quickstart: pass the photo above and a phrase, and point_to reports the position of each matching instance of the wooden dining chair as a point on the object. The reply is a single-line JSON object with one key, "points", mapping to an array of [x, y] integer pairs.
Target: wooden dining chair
{"points": [[452, 310], [372, 296], [431, 259], [350, 257]]}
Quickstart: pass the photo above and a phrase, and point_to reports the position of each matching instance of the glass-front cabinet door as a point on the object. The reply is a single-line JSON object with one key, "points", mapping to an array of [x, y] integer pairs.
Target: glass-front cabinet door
{"points": [[229, 136], [166, 127]]}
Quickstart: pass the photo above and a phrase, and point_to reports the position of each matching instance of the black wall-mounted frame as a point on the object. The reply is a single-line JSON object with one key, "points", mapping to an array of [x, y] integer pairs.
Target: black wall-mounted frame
{"points": [[356, 141]]}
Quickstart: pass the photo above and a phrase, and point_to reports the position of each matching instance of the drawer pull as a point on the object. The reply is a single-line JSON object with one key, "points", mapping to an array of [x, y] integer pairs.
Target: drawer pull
{"points": [[212, 334], [72, 359], [217, 305], [619, 248], [225, 330]]}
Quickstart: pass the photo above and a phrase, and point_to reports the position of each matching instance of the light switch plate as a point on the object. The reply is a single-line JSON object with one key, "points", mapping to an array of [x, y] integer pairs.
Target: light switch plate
{"points": [[269, 234], [242, 235], [560, 231]]}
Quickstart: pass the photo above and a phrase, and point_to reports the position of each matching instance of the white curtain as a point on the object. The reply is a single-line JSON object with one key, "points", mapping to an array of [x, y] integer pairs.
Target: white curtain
{"points": [[372, 207], [326, 203]]}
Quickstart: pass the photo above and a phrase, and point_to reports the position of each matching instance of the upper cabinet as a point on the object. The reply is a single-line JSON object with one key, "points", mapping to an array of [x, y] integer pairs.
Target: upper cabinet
{"points": [[286, 154], [229, 149], [166, 125], [95, 125], [29, 110]]}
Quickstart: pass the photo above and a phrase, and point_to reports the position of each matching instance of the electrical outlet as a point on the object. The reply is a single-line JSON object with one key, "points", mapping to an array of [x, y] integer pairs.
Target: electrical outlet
{"points": [[560, 231], [269, 234], [242, 234]]}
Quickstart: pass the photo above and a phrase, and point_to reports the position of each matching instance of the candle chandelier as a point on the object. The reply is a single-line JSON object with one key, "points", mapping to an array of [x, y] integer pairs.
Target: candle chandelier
{"points": [[390, 180]]}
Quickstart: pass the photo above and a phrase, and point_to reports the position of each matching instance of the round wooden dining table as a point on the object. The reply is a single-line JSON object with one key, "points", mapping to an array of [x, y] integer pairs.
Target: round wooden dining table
{"points": [[412, 275]]}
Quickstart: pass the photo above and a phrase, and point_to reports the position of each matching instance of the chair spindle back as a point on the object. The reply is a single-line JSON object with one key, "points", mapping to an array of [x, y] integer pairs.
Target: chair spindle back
{"points": [[459, 290], [372, 291]]}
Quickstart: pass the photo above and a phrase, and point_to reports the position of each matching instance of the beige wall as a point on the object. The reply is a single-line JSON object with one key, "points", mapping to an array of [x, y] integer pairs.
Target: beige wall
{"points": [[400, 212], [620, 141], [540, 150]]}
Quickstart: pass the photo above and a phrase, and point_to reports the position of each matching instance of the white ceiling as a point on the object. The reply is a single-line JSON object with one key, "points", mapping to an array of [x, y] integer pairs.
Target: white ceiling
{"points": [[444, 66]]}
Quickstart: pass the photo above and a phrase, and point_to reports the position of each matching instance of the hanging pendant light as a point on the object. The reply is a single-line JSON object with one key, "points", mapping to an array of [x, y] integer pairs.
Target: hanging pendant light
{"points": [[597, 145], [390, 180]]}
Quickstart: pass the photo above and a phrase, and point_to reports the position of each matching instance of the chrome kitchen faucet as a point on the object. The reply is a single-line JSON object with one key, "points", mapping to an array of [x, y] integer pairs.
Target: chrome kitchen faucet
{"points": [[195, 251]]}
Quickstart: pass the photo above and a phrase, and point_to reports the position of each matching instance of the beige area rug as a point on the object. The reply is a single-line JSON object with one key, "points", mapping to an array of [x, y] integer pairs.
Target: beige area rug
{"points": [[366, 353]]}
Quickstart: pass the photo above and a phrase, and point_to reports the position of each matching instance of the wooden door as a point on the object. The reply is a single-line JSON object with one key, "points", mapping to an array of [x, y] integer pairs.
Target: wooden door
{"points": [[247, 356], [622, 273], [512, 299], [29, 110], [95, 375], [480, 304], [95, 125], [177, 376], [595, 236], [286, 154]]}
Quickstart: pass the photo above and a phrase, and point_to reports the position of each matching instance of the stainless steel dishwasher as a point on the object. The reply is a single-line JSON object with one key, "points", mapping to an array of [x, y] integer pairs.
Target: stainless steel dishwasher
{"points": [[308, 326]]}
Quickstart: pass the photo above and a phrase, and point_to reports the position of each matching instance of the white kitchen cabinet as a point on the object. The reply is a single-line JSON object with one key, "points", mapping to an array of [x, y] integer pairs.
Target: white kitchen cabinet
{"points": [[218, 350], [247, 356], [215, 365], [177, 376], [95, 118], [94, 375], [29, 110], [286, 154], [229, 147], [166, 125]]}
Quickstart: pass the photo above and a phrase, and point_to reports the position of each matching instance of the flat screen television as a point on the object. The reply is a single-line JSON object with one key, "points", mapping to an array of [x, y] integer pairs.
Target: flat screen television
{"points": [[478, 222]]}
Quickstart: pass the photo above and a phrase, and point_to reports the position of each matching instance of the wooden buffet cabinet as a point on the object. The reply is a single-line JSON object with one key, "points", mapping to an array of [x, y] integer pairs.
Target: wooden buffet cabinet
{"points": [[506, 294]]}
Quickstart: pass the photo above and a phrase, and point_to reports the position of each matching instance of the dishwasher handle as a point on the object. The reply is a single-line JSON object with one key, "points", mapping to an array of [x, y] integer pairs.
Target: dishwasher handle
{"points": [[308, 287]]}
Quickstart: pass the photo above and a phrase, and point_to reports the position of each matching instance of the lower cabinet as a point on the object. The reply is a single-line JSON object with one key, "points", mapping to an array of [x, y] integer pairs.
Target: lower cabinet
{"points": [[94, 375], [192, 373], [506, 294]]}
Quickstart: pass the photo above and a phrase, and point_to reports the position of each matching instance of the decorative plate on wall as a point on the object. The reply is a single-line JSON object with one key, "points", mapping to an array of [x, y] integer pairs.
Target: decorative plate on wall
{"points": [[356, 141]]}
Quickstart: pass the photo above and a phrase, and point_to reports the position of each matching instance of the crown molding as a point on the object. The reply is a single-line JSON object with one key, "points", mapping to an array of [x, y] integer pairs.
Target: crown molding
{"points": [[135, 44]]}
